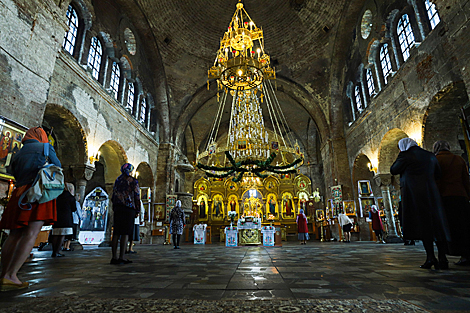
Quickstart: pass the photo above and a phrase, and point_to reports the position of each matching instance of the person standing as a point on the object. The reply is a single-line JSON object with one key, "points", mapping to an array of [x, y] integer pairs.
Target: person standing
{"points": [[65, 206], [77, 217], [346, 224], [176, 224], [126, 206], [454, 187], [377, 225], [423, 215], [136, 232], [302, 228], [25, 224]]}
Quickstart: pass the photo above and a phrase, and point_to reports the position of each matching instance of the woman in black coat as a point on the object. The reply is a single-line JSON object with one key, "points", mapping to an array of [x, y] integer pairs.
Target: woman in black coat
{"points": [[423, 215], [65, 206]]}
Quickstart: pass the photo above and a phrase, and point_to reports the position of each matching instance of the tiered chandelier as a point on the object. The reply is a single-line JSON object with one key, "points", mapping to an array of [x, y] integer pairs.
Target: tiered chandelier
{"points": [[242, 69]]}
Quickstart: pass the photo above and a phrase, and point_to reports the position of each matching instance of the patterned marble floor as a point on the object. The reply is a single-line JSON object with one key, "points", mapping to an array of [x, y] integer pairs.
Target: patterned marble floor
{"points": [[361, 271]]}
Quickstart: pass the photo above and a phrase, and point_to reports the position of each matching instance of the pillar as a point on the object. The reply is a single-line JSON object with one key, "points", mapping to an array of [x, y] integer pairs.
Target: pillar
{"points": [[82, 173], [384, 181]]}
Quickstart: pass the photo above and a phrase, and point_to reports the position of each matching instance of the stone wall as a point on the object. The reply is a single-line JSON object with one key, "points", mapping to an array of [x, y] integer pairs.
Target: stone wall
{"points": [[434, 69]]}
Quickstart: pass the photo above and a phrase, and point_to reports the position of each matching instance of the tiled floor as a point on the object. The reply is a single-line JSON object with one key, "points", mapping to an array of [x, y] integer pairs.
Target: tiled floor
{"points": [[333, 270]]}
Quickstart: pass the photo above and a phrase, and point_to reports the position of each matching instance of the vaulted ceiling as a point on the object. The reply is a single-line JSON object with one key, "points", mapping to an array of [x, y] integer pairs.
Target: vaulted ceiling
{"points": [[300, 36]]}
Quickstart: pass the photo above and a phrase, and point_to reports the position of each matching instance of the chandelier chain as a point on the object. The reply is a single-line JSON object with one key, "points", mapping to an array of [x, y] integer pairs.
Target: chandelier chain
{"points": [[283, 118]]}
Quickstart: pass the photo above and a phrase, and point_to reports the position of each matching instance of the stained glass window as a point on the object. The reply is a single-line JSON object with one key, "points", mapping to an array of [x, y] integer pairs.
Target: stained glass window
{"points": [[115, 76], [130, 97], [406, 37], [143, 111], [94, 57], [385, 62], [370, 82], [358, 99], [433, 15], [71, 34]]}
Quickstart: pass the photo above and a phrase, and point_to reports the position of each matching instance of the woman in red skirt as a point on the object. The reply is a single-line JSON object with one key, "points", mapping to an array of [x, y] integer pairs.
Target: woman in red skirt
{"points": [[24, 224]]}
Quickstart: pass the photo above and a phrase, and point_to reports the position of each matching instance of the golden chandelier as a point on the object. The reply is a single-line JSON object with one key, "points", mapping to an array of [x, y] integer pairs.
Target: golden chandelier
{"points": [[241, 63], [242, 71]]}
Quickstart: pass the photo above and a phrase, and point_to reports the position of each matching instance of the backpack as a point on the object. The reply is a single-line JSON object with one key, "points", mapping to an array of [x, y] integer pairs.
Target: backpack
{"points": [[47, 186]]}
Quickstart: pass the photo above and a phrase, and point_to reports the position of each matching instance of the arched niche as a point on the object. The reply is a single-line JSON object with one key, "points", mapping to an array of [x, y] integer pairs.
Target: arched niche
{"points": [[441, 120], [145, 175], [70, 139], [388, 151], [112, 156], [362, 172]]}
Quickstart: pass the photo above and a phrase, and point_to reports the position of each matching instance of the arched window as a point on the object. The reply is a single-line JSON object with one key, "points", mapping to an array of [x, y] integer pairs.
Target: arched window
{"points": [[405, 36], [357, 94], [143, 111], [433, 15], [370, 82], [94, 57], [115, 76], [71, 34], [385, 62], [130, 97]]}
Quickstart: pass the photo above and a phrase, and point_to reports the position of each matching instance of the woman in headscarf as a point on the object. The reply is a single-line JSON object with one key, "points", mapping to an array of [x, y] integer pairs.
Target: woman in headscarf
{"points": [[454, 186], [377, 226], [126, 206], [176, 224], [423, 215], [65, 207], [302, 228], [25, 224]]}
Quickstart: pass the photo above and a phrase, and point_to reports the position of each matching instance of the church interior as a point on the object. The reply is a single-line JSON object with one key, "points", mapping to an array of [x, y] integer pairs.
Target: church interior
{"points": [[249, 113]]}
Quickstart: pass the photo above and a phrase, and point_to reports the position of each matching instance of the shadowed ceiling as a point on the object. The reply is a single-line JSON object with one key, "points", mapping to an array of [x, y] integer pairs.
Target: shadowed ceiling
{"points": [[299, 37]]}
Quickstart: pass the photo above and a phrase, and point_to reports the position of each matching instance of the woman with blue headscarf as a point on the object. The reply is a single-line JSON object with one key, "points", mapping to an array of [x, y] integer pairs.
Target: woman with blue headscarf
{"points": [[126, 206]]}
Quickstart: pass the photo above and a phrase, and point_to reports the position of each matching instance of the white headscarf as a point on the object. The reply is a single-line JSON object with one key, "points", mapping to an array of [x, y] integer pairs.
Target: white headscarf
{"points": [[373, 208], [406, 143], [178, 203]]}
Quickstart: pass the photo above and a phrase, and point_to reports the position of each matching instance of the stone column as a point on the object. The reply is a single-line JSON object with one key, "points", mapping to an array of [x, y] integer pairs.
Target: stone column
{"points": [[165, 172], [82, 173], [384, 181]]}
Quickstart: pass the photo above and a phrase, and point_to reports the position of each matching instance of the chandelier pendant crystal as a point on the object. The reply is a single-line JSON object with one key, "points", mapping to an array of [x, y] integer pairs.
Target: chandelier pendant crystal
{"points": [[242, 70]]}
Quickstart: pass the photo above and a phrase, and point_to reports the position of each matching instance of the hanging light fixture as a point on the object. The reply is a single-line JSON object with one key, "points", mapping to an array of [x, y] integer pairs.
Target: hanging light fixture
{"points": [[243, 73]]}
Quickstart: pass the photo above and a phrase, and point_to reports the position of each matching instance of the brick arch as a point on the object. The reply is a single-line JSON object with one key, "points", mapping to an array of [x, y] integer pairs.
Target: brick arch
{"points": [[360, 171], [388, 150], [71, 145]]}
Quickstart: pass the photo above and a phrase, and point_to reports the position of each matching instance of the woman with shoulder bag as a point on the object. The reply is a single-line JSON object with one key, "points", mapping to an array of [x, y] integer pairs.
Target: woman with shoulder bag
{"points": [[25, 223]]}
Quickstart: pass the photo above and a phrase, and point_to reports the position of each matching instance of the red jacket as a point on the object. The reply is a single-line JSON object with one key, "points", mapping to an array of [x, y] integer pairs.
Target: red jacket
{"points": [[302, 223]]}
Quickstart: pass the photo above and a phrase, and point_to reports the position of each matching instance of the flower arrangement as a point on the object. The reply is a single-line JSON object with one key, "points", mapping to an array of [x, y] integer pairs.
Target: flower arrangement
{"points": [[231, 215]]}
